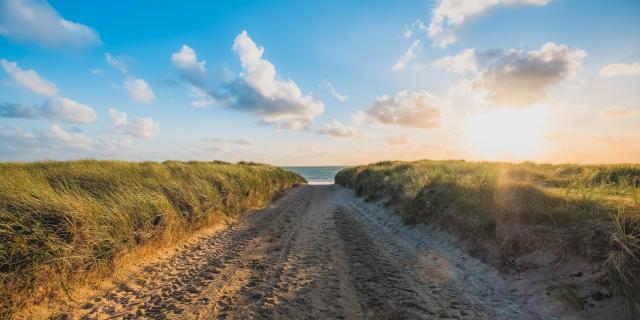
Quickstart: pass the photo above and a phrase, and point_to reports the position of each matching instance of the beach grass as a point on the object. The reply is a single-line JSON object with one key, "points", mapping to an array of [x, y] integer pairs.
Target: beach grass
{"points": [[592, 211], [62, 220]]}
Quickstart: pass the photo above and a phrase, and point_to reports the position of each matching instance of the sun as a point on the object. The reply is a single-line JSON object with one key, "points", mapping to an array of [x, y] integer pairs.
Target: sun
{"points": [[506, 134]]}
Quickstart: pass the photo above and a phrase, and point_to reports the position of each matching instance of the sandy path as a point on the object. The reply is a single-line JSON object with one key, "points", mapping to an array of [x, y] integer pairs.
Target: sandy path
{"points": [[317, 253]]}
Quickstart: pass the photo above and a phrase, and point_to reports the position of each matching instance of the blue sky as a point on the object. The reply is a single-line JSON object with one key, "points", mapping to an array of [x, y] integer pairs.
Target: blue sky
{"points": [[425, 107]]}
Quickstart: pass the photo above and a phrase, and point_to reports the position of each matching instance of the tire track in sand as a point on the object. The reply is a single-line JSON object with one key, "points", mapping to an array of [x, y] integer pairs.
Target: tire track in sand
{"points": [[313, 255]]}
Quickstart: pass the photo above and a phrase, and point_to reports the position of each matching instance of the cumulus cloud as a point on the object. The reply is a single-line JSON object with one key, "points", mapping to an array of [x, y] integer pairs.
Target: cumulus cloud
{"points": [[339, 130], [37, 22], [463, 62], [118, 119], [69, 138], [334, 93], [16, 142], [13, 140], [450, 15], [201, 99], [190, 68], [618, 112], [65, 109], [144, 127], [117, 62], [195, 73], [620, 69], [521, 78], [359, 118], [62, 109], [408, 56], [416, 109], [29, 79], [516, 77], [139, 90], [259, 90]]}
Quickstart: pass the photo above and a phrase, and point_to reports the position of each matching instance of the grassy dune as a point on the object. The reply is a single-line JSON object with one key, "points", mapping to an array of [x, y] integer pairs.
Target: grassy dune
{"points": [[507, 210], [62, 220]]}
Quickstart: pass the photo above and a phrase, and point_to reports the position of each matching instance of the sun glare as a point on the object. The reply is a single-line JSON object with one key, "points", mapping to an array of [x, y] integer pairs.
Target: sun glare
{"points": [[506, 134]]}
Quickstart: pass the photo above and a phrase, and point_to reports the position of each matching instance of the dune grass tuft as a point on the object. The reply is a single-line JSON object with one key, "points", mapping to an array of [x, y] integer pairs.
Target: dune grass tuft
{"points": [[588, 210], [61, 220]]}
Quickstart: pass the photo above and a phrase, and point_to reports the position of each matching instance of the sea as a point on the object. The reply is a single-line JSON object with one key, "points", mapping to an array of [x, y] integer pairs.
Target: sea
{"points": [[317, 175]]}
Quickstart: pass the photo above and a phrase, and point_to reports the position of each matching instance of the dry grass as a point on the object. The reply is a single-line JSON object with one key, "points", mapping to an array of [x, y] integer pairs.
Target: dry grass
{"points": [[62, 220], [591, 211], [624, 261]]}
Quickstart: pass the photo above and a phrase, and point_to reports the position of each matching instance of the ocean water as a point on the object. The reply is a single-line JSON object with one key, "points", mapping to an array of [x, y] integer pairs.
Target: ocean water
{"points": [[317, 175]]}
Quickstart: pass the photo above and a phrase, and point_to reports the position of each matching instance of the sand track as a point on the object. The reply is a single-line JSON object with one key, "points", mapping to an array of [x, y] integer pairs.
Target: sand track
{"points": [[317, 253]]}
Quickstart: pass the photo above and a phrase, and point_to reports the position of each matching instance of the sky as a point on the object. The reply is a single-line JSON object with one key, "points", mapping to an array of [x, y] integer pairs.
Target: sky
{"points": [[320, 82]]}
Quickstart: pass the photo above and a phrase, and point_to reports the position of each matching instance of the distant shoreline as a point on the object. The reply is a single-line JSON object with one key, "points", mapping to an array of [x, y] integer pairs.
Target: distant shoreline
{"points": [[322, 175]]}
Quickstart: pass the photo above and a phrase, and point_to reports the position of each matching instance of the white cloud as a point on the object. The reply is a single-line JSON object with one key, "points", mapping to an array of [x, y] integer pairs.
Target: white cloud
{"points": [[464, 97], [36, 21], [463, 62], [17, 143], [259, 90], [117, 62], [618, 112], [195, 73], [620, 69], [139, 90], [450, 15], [339, 130], [359, 118], [14, 140], [334, 93], [201, 98], [68, 138], [118, 119], [65, 109], [190, 68], [518, 78], [29, 79], [408, 56], [417, 109], [62, 109], [144, 127], [417, 25]]}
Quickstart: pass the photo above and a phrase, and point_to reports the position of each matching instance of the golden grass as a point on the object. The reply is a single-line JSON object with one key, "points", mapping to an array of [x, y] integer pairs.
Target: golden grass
{"points": [[588, 210], [62, 220]]}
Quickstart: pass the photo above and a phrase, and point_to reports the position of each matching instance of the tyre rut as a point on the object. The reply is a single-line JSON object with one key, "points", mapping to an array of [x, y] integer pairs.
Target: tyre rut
{"points": [[314, 254]]}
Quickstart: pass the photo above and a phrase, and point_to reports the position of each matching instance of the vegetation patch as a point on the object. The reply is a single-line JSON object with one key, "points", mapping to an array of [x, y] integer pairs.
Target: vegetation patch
{"points": [[62, 220], [591, 211]]}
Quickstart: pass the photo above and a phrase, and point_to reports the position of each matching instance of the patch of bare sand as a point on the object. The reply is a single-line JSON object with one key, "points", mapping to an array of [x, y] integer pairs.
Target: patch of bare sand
{"points": [[317, 253]]}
